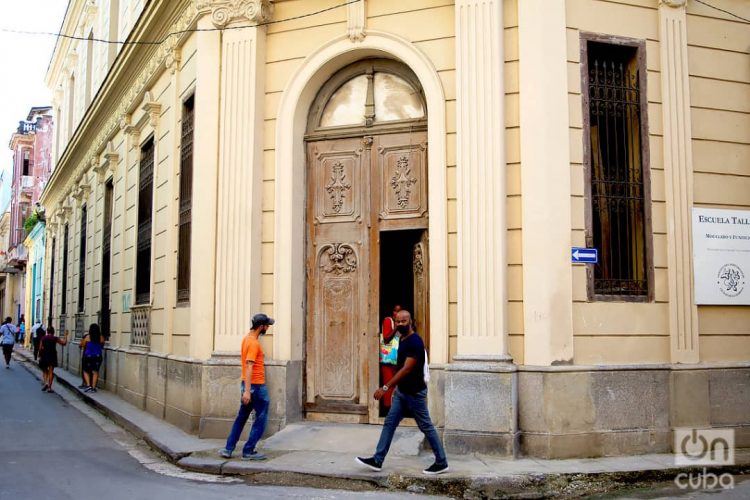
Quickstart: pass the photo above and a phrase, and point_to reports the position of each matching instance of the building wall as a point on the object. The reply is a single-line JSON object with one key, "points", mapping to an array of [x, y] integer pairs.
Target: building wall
{"points": [[720, 113], [621, 333]]}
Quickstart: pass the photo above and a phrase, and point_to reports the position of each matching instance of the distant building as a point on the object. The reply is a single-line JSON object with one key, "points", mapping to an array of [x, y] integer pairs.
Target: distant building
{"points": [[32, 165]]}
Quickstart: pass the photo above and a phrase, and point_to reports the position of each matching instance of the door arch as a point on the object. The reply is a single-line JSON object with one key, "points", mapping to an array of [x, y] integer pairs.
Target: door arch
{"points": [[366, 146]]}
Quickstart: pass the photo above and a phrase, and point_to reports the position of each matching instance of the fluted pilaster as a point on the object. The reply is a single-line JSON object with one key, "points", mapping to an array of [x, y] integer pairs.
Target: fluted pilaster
{"points": [[482, 262], [240, 179], [678, 169]]}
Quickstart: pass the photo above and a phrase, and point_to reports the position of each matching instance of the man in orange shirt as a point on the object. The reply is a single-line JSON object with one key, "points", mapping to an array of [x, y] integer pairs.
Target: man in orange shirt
{"points": [[253, 391]]}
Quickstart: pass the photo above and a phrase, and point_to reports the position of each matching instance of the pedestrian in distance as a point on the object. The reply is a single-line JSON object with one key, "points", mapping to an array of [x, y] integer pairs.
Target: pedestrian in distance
{"points": [[21, 330], [7, 339], [48, 355], [37, 338], [93, 350], [254, 395], [410, 396]]}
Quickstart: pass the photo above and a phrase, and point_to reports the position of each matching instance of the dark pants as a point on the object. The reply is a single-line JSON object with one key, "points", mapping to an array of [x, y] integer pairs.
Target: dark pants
{"points": [[259, 401], [36, 343], [7, 350], [417, 405]]}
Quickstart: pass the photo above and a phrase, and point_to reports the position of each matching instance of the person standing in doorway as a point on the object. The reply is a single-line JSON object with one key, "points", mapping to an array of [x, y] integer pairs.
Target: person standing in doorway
{"points": [[410, 395], [48, 355], [254, 395], [389, 354], [21, 330], [36, 340], [7, 339]]}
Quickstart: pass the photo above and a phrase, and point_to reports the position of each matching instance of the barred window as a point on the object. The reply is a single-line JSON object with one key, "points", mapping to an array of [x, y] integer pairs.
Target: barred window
{"points": [[186, 202], [82, 262], [616, 137], [145, 209], [64, 298]]}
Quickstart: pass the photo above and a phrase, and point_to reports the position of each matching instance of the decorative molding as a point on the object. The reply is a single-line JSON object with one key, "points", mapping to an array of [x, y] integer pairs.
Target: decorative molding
{"points": [[152, 107], [356, 21], [173, 59], [673, 3], [89, 14], [338, 186], [402, 181], [225, 12], [418, 263], [338, 258], [120, 118]]}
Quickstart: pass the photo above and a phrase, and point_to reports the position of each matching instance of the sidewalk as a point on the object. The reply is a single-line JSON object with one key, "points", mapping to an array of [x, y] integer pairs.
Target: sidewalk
{"points": [[322, 455]]}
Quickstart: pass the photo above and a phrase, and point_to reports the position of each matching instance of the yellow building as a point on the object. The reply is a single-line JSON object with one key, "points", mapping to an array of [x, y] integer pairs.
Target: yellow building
{"points": [[322, 160]]}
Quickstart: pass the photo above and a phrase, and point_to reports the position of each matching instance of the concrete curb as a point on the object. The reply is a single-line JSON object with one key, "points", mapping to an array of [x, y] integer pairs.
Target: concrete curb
{"points": [[525, 486]]}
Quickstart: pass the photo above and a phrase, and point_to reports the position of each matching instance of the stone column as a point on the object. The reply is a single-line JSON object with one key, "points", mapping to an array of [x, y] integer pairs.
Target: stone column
{"points": [[205, 175], [238, 244], [678, 172], [545, 179], [481, 371]]}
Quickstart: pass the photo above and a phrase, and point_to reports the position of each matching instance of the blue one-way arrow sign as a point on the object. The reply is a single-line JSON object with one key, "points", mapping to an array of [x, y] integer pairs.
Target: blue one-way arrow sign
{"points": [[584, 255]]}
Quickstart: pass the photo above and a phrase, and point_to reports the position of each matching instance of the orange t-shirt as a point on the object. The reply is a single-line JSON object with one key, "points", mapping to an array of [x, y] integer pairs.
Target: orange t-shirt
{"points": [[252, 351]]}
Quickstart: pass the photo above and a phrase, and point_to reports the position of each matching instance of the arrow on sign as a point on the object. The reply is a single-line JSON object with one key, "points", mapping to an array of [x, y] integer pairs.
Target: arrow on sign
{"points": [[585, 255]]}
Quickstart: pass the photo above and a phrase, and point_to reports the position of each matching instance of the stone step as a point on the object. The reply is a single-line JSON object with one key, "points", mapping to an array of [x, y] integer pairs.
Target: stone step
{"points": [[357, 439]]}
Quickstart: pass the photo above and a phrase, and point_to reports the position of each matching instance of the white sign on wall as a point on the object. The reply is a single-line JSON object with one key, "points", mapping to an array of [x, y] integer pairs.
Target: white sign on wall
{"points": [[721, 256]]}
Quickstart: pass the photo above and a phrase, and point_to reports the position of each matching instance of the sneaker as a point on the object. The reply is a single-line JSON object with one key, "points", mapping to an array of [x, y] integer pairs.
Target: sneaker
{"points": [[254, 456], [82, 386], [45, 387], [224, 453], [92, 389], [50, 390], [370, 462], [435, 469]]}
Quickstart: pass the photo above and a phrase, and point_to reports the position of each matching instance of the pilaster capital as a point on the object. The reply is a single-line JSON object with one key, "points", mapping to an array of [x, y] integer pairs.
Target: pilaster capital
{"points": [[109, 165], [356, 20], [673, 3], [152, 107], [225, 12], [89, 11], [131, 131], [173, 59], [70, 62]]}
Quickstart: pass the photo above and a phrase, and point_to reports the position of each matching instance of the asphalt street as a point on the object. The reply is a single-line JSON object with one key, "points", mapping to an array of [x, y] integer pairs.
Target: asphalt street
{"points": [[55, 447]]}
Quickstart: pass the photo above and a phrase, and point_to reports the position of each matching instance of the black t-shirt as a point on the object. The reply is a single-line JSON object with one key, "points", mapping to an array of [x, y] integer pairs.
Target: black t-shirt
{"points": [[411, 347]]}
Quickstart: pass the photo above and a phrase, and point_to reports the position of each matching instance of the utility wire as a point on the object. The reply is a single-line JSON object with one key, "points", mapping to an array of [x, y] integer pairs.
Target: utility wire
{"points": [[724, 11], [164, 39]]}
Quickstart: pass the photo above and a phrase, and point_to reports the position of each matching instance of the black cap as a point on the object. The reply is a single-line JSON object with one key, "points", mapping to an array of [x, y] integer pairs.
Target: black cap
{"points": [[261, 319]]}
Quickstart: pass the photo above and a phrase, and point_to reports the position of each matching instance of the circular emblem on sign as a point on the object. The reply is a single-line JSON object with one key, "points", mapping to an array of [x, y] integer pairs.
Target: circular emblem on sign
{"points": [[731, 280]]}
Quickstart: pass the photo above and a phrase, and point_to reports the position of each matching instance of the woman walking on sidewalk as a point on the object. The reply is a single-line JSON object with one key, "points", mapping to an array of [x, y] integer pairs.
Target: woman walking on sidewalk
{"points": [[48, 356], [7, 339], [92, 357]]}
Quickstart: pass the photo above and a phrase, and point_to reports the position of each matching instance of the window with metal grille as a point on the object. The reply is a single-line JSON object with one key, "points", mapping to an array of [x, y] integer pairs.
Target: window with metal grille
{"points": [[82, 262], [51, 283], [616, 161], [145, 213], [186, 202], [64, 298], [104, 311]]}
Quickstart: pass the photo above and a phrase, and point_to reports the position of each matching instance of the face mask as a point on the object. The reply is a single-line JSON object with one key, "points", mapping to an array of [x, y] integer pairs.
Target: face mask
{"points": [[264, 330], [403, 329]]}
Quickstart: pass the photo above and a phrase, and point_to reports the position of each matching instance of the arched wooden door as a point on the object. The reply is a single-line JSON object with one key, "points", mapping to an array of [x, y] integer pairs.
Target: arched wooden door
{"points": [[366, 173]]}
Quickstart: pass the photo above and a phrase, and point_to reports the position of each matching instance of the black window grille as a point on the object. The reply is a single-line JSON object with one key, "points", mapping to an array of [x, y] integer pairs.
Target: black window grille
{"points": [[145, 209], [186, 202], [104, 311], [82, 262], [52, 282], [64, 298], [618, 201]]}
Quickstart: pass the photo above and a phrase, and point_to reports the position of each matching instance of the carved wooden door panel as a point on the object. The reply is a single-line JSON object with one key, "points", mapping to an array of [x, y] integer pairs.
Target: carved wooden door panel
{"points": [[420, 269], [337, 384]]}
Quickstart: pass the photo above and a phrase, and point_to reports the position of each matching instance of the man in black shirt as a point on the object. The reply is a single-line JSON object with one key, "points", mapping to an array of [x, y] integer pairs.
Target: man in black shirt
{"points": [[410, 394]]}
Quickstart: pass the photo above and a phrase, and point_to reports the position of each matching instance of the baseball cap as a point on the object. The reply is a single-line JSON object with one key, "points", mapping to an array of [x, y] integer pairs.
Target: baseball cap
{"points": [[261, 319]]}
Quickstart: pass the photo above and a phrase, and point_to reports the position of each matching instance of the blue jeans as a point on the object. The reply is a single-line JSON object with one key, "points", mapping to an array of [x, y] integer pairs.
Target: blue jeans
{"points": [[417, 403], [259, 401]]}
